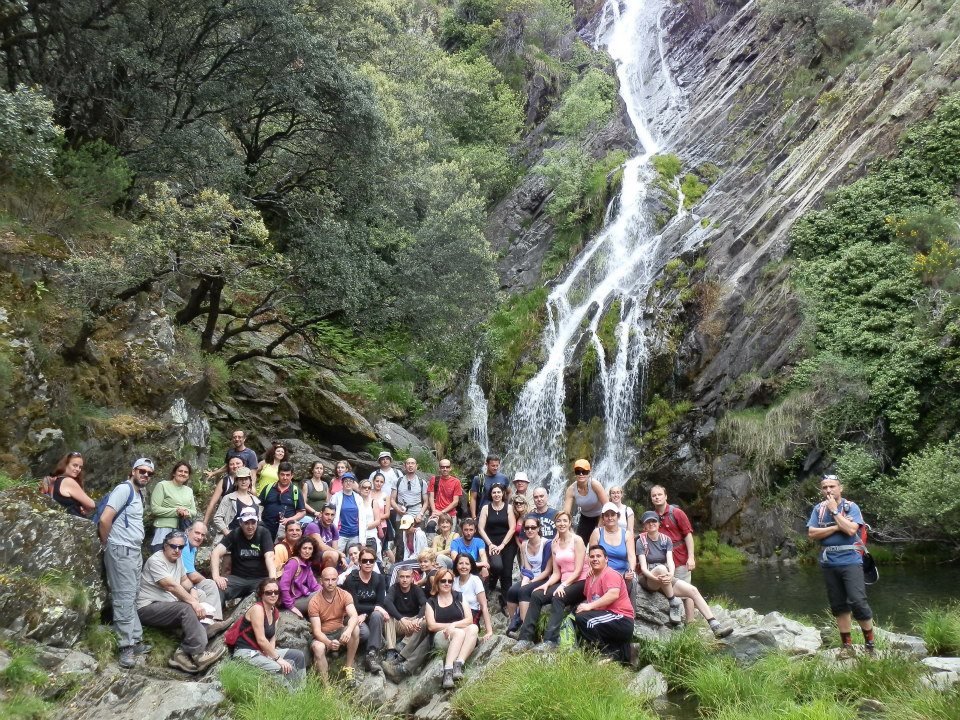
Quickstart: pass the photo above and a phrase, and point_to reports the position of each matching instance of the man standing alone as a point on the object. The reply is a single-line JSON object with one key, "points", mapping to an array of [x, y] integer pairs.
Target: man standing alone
{"points": [[835, 524]]}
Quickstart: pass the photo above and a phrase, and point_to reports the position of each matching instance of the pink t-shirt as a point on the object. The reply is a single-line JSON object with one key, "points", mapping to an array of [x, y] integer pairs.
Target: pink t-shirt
{"points": [[565, 559], [596, 587]]}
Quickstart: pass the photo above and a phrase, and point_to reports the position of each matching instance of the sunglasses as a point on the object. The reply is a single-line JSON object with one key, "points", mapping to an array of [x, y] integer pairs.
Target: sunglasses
{"points": [[531, 527], [271, 592], [148, 473], [175, 548], [446, 581], [581, 472], [367, 561]]}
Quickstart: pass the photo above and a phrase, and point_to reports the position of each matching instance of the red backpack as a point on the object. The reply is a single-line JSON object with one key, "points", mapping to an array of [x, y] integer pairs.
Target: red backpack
{"points": [[237, 630]]}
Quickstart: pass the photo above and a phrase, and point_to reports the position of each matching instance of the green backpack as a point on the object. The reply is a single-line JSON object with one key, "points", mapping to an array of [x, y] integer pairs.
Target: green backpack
{"points": [[568, 633]]}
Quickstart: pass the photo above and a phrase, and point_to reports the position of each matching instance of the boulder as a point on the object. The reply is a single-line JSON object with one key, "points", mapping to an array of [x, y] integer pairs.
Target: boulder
{"points": [[52, 581], [399, 439], [945, 672], [437, 709], [649, 683], [907, 644], [652, 609], [328, 415], [943, 664], [130, 696], [755, 635]]}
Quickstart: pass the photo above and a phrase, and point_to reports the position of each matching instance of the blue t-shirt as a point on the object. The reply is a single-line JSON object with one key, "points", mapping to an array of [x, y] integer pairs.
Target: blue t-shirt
{"points": [[820, 517], [473, 549], [488, 483], [189, 557], [248, 456], [548, 528], [349, 517]]}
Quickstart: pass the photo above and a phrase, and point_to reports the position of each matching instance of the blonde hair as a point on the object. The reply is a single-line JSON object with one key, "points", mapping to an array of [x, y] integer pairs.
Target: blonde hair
{"points": [[427, 554]]}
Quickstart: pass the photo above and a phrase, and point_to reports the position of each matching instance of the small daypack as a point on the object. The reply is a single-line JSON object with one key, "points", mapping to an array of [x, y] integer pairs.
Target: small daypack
{"points": [[102, 505], [234, 633], [568, 633]]}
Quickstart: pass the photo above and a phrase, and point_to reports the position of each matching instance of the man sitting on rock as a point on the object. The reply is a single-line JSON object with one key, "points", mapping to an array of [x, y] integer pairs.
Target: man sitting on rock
{"points": [[327, 609], [169, 599], [195, 537], [284, 550], [251, 551], [544, 513], [605, 618], [404, 602], [325, 532], [469, 543]]}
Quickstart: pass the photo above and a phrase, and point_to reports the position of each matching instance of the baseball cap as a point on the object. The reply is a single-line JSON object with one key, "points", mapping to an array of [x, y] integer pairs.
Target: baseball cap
{"points": [[406, 522], [609, 507], [348, 476], [248, 513], [385, 453], [143, 462], [649, 515], [242, 472], [521, 477], [582, 464]]}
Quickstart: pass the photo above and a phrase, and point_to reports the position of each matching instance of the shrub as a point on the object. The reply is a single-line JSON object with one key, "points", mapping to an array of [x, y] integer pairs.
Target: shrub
{"points": [[668, 166], [676, 656], [926, 490], [940, 628], [94, 173], [693, 190], [537, 687], [587, 104], [29, 139], [711, 550]]}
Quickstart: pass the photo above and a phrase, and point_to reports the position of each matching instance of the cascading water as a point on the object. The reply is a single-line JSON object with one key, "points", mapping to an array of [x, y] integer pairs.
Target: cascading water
{"points": [[477, 418], [620, 263]]}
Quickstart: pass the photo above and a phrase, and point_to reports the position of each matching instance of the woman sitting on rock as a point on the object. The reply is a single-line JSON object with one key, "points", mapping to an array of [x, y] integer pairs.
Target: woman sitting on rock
{"points": [[536, 565], [172, 504], [617, 542], [449, 619], [65, 485], [443, 539], [656, 568], [257, 642], [298, 583], [468, 583], [232, 504]]}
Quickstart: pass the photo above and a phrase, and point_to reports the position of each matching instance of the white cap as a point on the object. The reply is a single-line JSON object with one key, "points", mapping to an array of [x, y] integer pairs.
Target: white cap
{"points": [[385, 453], [248, 513], [609, 507], [406, 522], [521, 477], [143, 462]]}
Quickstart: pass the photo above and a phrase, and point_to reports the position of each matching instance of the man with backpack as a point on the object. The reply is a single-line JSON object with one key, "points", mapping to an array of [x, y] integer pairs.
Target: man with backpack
{"points": [[483, 482], [409, 495], [282, 501], [119, 518], [837, 525], [675, 524]]}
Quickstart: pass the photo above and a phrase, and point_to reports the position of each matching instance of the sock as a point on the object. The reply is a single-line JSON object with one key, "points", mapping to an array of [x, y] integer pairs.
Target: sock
{"points": [[868, 636], [712, 622], [447, 667], [846, 639], [674, 601]]}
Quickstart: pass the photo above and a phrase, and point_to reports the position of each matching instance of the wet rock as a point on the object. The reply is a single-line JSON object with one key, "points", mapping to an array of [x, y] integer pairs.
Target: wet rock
{"points": [[649, 683]]}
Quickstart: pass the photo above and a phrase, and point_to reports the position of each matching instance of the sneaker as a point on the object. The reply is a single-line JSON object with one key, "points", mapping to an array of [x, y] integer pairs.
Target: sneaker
{"points": [[396, 672], [349, 675], [522, 646], [372, 664], [547, 646], [676, 613], [127, 657], [182, 661], [458, 670], [447, 683], [208, 658], [142, 648]]}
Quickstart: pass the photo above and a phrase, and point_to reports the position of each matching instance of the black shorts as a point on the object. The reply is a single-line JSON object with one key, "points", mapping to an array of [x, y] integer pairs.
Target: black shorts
{"points": [[847, 591]]}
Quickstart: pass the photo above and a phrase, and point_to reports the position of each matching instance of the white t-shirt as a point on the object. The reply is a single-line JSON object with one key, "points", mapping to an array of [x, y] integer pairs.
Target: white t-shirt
{"points": [[154, 570], [390, 478], [470, 590]]}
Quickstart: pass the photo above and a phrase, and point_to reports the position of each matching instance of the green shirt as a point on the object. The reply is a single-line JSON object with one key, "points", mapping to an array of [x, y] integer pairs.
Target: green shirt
{"points": [[166, 497]]}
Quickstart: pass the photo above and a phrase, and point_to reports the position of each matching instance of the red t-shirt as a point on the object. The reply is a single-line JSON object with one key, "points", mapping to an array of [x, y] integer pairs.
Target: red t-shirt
{"points": [[676, 531], [596, 587], [445, 491]]}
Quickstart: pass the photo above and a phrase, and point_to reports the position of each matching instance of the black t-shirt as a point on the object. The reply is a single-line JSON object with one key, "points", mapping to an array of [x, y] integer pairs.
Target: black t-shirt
{"points": [[248, 555], [402, 604], [451, 614], [366, 595]]}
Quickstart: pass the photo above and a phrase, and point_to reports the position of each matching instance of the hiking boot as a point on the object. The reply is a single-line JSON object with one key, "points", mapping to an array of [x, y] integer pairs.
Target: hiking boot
{"points": [[676, 613], [127, 657], [182, 661], [521, 646], [547, 646], [217, 627], [846, 652], [372, 664], [870, 649], [458, 670], [719, 631], [396, 672], [349, 676], [447, 683], [142, 648], [391, 655], [208, 658]]}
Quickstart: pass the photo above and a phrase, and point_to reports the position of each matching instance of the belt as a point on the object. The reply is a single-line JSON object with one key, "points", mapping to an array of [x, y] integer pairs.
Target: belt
{"points": [[836, 549]]}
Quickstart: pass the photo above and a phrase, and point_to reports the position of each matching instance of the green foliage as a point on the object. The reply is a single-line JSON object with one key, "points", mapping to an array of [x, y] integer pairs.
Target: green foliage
{"points": [[512, 332], [667, 165], [857, 465], [94, 173], [587, 104], [581, 186], [539, 687], [607, 327], [924, 491], [23, 673], [661, 416], [64, 585], [7, 482], [925, 704], [25, 707], [29, 139], [693, 190], [828, 23], [940, 628], [675, 656], [710, 549], [438, 431]]}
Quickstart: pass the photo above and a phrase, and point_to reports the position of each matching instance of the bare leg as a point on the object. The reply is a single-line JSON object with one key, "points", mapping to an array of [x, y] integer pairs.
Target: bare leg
{"points": [[523, 610], [352, 644], [686, 590], [457, 636], [320, 659], [469, 643]]}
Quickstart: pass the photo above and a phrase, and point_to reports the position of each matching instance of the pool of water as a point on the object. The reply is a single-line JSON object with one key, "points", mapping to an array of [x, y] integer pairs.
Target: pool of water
{"points": [[799, 589]]}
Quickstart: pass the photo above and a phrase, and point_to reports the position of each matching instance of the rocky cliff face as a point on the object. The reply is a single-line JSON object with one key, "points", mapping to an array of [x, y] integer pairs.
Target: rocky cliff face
{"points": [[783, 125]]}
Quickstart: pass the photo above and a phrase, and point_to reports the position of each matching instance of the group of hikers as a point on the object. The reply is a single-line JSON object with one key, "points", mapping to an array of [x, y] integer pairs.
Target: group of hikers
{"points": [[398, 564]]}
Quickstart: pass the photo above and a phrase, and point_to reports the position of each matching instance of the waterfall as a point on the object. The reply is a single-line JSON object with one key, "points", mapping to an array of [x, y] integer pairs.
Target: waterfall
{"points": [[621, 263], [477, 417]]}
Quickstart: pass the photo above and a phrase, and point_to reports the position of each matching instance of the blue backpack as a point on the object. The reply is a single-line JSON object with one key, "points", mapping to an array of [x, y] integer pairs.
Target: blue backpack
{"points": [[102, 504]]}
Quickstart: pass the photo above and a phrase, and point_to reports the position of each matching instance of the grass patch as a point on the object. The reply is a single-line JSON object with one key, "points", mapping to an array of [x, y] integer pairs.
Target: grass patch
{"points": [[258, 696], [674, 657], [100, 642], [25, 707], [164, 645], [939, 626], [719, 683], [62, 584], [8, 483], [549, 687], [817, 710], [710, 549], [512, 332], [925, 704], [23, 673]]}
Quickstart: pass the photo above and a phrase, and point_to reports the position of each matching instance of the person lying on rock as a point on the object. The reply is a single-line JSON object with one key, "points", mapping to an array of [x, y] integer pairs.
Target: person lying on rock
{"points": [[605, 617], [326, 611], [251, 550], [257, 639], [656, 572], [169, 599]]}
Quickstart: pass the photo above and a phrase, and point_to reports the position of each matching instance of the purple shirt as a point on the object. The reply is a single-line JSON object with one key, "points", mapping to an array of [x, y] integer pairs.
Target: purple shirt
{"points": [[296, 582]]}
